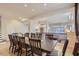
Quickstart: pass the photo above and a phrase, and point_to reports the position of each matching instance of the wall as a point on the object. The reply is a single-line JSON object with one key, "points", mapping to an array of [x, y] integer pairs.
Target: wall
{"points": [[65, 17], [12, 26], [0, 24]]}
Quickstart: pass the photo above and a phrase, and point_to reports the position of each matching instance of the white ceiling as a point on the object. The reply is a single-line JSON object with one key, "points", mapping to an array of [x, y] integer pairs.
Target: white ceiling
{"points": [[15, 10]]}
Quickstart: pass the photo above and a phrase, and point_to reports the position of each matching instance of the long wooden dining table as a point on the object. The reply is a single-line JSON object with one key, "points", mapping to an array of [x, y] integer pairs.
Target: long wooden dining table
{"points": [[46, 45]]}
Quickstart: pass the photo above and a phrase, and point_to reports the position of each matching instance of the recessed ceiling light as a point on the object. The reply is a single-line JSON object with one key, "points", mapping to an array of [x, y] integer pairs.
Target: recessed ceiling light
{"points": [[24, 19], [25, 5], [20, 17], [33, 9], [45, 4]]}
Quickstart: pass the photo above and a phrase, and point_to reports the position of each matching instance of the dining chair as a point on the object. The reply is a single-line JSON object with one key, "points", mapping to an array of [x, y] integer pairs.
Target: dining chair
{"points": [[32, 35], [36, 47], [23, 47], [65, 42], [15, 43], [26, 34], [11, 42], [49, 36], [65, 47], [39, 35]]}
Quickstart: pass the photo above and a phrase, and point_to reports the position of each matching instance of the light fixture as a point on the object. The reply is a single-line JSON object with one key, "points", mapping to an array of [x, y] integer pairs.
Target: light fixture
{"points": [[33, 9], [23, 19], [45, 4], [25, 5], [20, 17]]}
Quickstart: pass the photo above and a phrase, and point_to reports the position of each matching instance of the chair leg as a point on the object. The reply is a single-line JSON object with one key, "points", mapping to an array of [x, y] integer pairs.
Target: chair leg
{"points": [[20, 52], [9, 47], [26, 51], [32, 53], [14, 49]]}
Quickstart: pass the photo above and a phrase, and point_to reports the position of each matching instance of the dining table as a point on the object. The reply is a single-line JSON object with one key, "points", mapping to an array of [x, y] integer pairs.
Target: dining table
{"points": [[46, 45]]}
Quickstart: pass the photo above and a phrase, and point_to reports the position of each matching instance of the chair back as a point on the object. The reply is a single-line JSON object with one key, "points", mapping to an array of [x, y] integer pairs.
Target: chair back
{"points": [[21, 42], [35, 46], [10, 38], [49, 36], [32, 35], [26, 34], [65, 47], [15, 39], [35, 43], [39, 35]]}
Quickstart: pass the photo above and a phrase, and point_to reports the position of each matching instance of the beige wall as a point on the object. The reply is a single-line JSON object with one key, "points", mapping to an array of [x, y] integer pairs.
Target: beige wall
{"points": [[11, 26], [60, 17]]}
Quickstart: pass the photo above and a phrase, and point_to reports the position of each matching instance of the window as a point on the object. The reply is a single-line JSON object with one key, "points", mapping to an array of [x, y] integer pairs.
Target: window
{"points": [[56, 28]]}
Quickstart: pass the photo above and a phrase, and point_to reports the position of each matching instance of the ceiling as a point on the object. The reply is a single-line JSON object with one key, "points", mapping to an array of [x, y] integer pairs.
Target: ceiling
{"points": [[15, 10]]}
